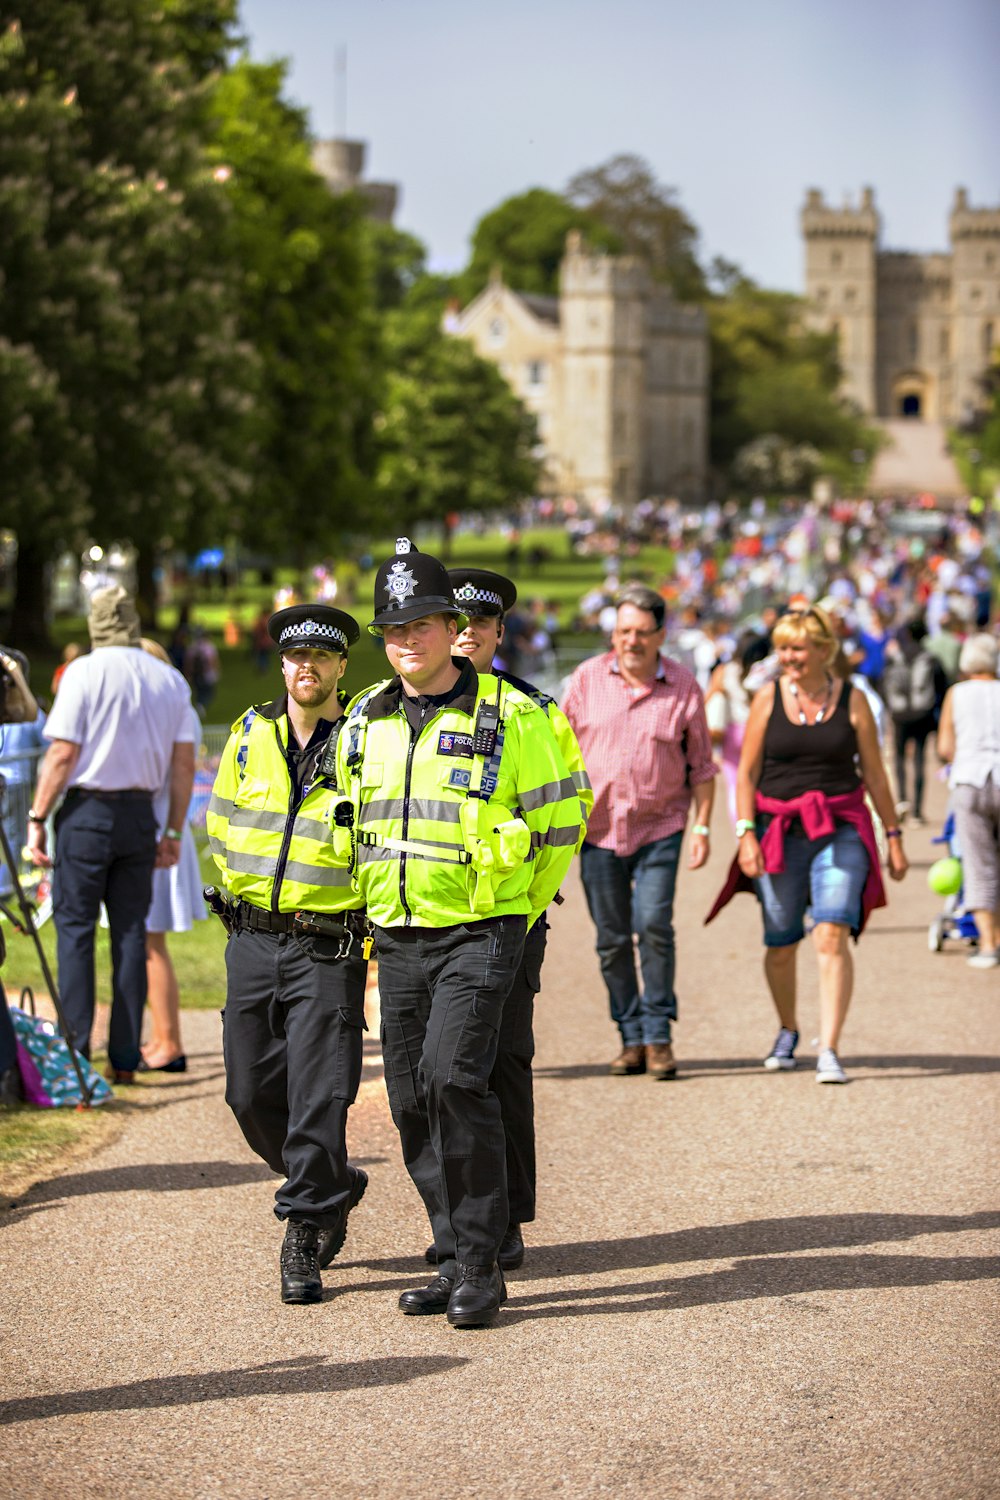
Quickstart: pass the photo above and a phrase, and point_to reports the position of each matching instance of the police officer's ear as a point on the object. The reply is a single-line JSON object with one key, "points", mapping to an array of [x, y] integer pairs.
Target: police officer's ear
{"points": [[343, 665], [501, 628]]}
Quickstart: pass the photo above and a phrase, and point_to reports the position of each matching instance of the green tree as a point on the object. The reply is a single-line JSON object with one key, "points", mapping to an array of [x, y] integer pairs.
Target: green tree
{"points": [[397, 261], [625, 196], [773, 377], [451, 436], [525, 239], [305, 293], [164, 419], [62, 324]]}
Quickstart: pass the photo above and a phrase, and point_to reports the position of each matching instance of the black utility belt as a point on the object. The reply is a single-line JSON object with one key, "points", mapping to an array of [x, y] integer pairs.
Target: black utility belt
{"points": [[255, 919]]}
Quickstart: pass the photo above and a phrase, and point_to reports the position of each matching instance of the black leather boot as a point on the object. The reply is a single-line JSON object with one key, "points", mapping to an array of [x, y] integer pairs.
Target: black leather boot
{"points": [[479, 1293], [432, 1298], [511, 1252], [331, 1241], [300, 1278]]}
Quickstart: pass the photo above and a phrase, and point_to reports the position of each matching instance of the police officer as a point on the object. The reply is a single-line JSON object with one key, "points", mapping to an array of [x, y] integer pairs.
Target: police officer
{"points": [[280, 833], [466, 823], [485, 597]]}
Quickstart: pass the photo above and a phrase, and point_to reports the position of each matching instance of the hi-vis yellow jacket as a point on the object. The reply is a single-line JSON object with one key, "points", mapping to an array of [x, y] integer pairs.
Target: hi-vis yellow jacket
{"points": [[271, 852], [430, 853], [569, 745]]}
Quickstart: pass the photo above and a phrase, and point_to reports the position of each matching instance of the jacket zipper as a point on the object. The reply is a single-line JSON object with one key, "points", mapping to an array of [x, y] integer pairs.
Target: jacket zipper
{"points": [[406, 820], [293, 807]]}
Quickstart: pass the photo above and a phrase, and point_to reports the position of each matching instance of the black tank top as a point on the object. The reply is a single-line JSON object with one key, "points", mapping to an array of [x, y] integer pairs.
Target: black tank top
{"points": [[810, 757]]}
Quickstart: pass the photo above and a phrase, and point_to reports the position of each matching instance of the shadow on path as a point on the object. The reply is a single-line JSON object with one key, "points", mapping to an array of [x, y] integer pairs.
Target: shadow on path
{"points": [[753, 1279], [754, 1237], [931, 1065], [305, 1376]]}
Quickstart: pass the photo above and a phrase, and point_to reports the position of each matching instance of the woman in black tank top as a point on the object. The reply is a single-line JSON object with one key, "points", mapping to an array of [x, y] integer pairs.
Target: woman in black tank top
{"points": [[809, 752]]}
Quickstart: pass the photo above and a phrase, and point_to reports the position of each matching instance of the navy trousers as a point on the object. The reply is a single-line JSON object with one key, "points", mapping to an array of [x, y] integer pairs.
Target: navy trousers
{"points": [[105, 851], [443, 992], [293, 1030], [511, 1079]]}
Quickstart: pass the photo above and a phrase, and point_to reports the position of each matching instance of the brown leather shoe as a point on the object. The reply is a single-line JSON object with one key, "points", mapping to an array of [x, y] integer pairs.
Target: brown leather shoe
{"points": [[629, 1060], [660, 1060]]}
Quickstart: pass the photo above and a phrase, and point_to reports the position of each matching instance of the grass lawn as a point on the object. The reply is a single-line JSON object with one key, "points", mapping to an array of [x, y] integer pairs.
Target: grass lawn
{"points": [[561, 578], [34, 1141]]}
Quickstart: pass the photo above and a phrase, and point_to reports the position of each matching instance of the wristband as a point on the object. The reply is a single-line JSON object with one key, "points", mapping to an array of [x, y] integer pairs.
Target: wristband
{"points": [[744, 825], [703, 829], [894, 833], [171, 833], [34, 817]]}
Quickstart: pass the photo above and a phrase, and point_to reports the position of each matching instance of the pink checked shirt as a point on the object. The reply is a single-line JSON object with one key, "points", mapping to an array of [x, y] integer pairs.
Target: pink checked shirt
{"points": [[643, 751]]}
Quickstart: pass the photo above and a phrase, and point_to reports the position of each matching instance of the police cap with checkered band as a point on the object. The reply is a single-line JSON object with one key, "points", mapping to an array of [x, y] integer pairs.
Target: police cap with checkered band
{"points": [[318, 625], [411, 585], [481, 592]]}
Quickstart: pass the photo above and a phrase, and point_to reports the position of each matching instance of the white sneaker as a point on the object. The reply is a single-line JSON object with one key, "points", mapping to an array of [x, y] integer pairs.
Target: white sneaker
{"points": [[828, 1069], [782, 1054], [987, 960]]}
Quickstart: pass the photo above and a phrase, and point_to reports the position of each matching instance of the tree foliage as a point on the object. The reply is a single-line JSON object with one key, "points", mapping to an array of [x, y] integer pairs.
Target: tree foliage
{"points": [[524, 238], [452, 436], [644, 216], [160, 410], [773, 377], [305, 288]]}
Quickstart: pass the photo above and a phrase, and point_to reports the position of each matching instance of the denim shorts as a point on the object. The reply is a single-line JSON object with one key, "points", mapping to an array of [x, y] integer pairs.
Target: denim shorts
{"points": [[824, 876]]}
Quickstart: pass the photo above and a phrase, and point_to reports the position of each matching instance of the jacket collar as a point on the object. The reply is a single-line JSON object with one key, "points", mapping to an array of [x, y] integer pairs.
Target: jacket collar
{"points": [[387, 700]]}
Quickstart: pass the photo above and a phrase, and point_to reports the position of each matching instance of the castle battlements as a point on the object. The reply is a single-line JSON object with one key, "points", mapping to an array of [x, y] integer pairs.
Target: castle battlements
{"points": [[915, 332]]}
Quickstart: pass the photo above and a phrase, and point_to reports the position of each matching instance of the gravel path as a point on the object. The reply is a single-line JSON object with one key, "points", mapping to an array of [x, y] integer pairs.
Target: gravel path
{"points": [[739, 1284]]}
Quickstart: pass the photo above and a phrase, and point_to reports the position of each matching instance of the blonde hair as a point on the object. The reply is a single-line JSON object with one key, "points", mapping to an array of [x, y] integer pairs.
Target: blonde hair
{"points": [[153, 648], [811, 624]]}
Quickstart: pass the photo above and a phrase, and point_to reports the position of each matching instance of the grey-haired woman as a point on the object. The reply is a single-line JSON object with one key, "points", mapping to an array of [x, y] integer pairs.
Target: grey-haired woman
{"points": [[968, 739]]}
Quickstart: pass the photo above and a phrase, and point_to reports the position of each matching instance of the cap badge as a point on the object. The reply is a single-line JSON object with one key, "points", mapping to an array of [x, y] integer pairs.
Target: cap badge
{"points": [[400, 584], [465, 592]]}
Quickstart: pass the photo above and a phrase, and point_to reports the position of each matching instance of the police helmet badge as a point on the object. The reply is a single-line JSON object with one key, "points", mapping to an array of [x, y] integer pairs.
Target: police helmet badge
{"points": [[399, 585]]}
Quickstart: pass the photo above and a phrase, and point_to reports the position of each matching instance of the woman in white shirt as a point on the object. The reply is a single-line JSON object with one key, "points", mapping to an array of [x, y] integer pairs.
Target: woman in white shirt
{"points": [[968, 738]]}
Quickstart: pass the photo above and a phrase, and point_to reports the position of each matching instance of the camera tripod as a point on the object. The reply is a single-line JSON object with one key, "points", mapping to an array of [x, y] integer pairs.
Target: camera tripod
{"points": [[23, 921]]}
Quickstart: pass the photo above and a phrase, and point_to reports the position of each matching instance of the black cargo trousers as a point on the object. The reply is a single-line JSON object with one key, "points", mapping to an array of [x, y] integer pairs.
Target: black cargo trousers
{"points": [[442, 993], [511, 1079], [293, 1030]]}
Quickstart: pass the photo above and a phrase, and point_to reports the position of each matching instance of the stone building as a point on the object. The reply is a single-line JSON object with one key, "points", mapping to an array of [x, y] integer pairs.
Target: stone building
{"points": [[615, 371], [916, 332], [341, 165]]}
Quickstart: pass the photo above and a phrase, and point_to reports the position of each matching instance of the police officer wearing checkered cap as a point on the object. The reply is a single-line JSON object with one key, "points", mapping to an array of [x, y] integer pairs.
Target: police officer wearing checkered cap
{"points": [[486, 597], [279, 830]]}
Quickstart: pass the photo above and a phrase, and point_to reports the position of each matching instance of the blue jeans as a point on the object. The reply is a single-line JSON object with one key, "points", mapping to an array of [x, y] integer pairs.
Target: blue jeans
{"points": [[630, 895]]}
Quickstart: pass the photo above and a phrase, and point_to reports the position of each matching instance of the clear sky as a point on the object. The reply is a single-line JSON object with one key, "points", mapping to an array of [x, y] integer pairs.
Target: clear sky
{"points": [[740, 105]]}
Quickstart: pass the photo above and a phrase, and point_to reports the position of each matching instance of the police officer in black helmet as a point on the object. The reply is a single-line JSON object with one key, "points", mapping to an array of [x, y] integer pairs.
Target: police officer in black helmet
{"points": [[280, 834]]}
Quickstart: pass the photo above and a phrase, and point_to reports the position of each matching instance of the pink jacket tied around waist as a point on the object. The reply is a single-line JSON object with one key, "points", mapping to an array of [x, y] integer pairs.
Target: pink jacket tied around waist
{"points": [[819, 815]]}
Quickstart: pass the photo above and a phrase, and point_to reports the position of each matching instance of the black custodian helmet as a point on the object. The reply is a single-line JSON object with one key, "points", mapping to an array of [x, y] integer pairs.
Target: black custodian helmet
{"points": [[410, 585]]}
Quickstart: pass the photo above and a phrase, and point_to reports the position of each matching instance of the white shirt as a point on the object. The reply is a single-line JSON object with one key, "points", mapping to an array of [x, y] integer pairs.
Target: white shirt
{"points": [[126, 711], [976, 710]]}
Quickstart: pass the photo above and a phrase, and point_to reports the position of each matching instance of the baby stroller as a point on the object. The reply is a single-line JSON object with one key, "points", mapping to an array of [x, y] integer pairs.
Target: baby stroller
{"points": [[955, 921]]}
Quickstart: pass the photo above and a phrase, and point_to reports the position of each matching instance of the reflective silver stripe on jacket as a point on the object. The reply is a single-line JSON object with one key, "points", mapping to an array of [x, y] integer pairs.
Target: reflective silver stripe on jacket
{"points": [[425, 808], [551, 791], [260, 864], [558, 838], [581, 781], [222, 806]]}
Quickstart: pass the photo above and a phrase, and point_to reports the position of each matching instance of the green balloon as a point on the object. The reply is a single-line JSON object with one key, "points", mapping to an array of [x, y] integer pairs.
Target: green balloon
{"points": [[945, 876]]}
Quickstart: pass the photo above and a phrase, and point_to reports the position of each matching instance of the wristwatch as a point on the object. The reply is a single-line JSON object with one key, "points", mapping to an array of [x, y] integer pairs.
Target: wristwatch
{"points": [[171, 833], [744, 825], [34, 817]]}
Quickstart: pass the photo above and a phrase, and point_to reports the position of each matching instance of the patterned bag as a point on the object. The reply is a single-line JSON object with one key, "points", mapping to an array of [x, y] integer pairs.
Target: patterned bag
{"points": [[46, 1066]]}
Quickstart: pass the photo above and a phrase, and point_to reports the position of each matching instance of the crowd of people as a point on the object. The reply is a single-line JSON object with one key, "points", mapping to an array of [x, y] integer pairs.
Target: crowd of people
{"points": [[431, 819]]}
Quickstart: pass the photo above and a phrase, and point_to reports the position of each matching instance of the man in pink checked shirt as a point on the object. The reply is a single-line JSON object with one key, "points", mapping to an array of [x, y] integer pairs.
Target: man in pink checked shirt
{"points": [[640, 721]]}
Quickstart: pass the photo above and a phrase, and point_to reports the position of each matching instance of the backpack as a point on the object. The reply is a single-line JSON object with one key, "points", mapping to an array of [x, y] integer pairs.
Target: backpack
{"points": [[45, 1065], [909, 686]]}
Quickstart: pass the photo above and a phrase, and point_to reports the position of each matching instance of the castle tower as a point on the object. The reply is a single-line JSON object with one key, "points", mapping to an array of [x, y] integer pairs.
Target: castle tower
{"points": [[341, 164], [602, 313], [841, 249], [975, 256]]}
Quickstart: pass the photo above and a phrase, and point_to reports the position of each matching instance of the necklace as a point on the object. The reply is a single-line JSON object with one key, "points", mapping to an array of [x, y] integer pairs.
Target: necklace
{"points": [[793, 688]]}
